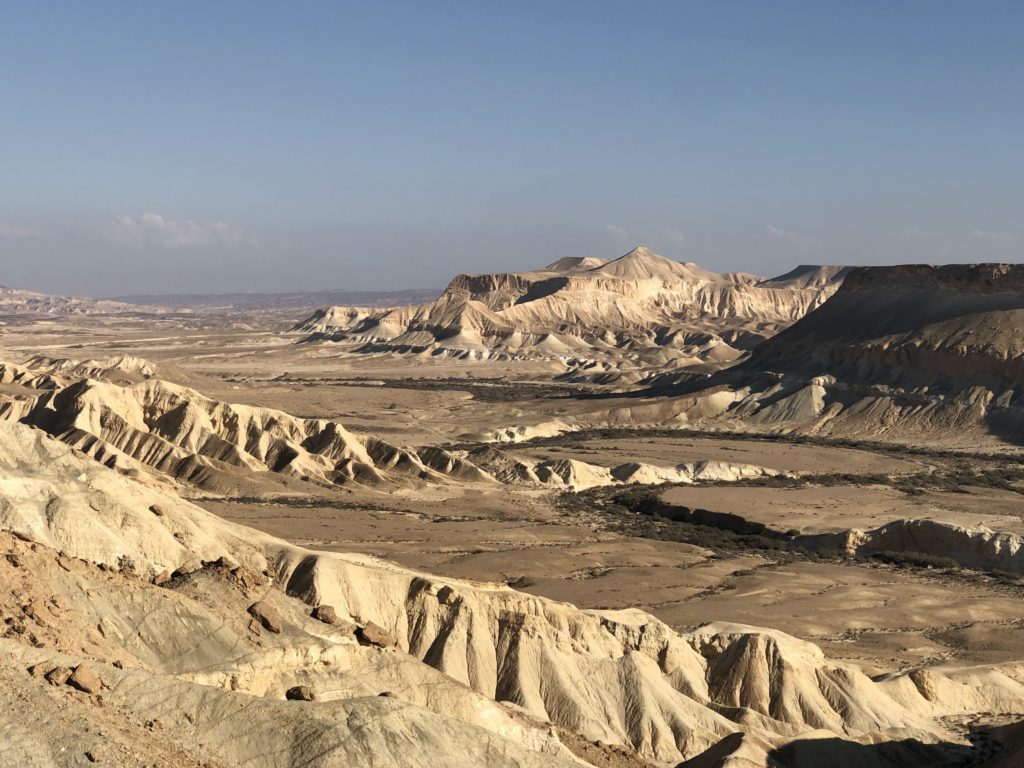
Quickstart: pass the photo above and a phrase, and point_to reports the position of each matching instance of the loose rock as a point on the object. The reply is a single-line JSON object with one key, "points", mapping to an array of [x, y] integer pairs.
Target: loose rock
{"points": [[58, 675], [85, 680], [326, 614], [300, 693], [267, 615], [374, 634], [37, 611], [226, 563]]}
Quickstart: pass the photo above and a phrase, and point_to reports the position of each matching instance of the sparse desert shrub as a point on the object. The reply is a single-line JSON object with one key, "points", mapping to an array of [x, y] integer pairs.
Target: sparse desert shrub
{"points": [[127, 566], [1006, 577], [915, 560]]}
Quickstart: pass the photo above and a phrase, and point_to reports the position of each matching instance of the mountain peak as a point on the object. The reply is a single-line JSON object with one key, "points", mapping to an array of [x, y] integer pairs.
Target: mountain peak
{"points": [[642, 264], [640, 252]]}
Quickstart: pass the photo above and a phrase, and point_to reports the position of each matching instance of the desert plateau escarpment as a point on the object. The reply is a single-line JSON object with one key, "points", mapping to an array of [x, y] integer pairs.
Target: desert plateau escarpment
{"points": [[898, 352], [623, 513]]}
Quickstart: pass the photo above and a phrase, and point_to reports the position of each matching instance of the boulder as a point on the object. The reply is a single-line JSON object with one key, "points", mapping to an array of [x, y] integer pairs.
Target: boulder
{"points": [[300, 693], [85, 680], [58, 675], [374, 634], [326, 614], [267, 615]]}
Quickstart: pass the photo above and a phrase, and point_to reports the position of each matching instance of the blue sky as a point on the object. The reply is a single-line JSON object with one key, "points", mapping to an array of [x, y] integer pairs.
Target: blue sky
{"points": [[249, 146]]}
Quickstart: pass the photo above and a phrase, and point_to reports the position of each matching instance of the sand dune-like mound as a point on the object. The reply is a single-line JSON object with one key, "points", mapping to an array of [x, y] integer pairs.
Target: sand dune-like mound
{"points": [[406, 668], [580, 311], [808, 276], [179, 661], [44, 372], [47, 491], [574, 474], [574, 264], [150, 427], [974, 548], [28, 378], [94, 368], [120, 369], [176, 432]]}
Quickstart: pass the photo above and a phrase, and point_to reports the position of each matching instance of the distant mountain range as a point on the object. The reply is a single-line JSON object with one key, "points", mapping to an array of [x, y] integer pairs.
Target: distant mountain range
{"points": [[14, 301], [283, 300]]}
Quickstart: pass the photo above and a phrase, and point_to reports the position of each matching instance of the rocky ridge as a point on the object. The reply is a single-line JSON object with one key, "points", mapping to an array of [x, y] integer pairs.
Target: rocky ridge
{"points": [[638, 311], [478, 674], [151, 428], [14, 301]]}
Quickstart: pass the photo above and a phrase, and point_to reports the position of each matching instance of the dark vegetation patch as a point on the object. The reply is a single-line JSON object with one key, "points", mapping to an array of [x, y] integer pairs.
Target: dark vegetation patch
{"points": [[894, 449], [956, 471], [914, 560], [311, 502], [485, 390], [640, 512], [958, 478]]}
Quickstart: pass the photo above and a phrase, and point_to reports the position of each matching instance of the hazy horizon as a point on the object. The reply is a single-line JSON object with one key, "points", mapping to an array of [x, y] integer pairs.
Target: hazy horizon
{"points": [[210, 148]]}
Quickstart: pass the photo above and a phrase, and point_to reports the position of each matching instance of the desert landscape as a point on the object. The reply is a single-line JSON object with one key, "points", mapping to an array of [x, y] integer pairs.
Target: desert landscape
{"points": [[511, 385], [751, 522]]}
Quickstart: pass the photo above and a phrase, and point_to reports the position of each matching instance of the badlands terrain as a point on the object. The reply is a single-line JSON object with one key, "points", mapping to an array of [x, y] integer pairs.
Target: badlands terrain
{"points": [[605, 513]]}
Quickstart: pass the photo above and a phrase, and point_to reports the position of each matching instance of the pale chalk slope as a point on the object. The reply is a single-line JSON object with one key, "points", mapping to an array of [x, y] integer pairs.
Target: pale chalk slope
{"points": [[460, 648]]}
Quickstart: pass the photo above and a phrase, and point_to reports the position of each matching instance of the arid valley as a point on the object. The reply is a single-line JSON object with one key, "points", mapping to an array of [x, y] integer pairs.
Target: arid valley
{"points": [[622, 512], [582, 384]]}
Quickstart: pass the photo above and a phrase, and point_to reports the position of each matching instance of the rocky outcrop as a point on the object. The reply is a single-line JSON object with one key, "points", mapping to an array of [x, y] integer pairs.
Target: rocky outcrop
{"points": [[971, 547], [580, 475], [912, 352], [219, 447], [914, 325], [579, 311]]}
